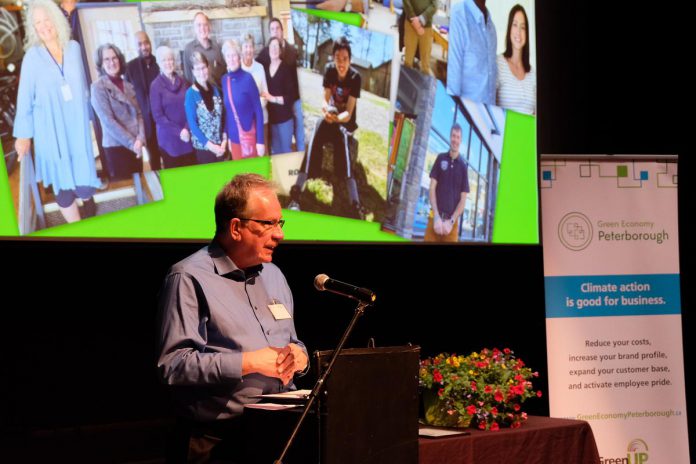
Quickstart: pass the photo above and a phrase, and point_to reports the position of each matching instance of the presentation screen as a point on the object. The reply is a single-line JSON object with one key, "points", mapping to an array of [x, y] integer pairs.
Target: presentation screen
{"points": [[124, 120]]}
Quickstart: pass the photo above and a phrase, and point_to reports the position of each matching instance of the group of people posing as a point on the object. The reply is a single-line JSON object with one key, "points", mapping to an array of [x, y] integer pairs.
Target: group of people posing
{"points": [[227, 101]]}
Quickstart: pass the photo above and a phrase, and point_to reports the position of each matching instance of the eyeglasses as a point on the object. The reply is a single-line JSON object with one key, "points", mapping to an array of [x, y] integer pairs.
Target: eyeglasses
{"points": [[268, 224]]}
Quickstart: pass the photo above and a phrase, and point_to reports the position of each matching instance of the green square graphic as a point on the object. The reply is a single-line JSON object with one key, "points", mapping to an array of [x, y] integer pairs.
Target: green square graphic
{"points": [[622, 171]]}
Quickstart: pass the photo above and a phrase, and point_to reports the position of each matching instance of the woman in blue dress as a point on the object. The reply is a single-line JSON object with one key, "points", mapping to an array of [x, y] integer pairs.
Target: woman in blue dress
{"points": [[52, 111]]}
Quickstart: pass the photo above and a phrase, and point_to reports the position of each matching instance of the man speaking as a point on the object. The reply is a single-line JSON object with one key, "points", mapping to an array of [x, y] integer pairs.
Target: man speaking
{"points": [[226, 321]]}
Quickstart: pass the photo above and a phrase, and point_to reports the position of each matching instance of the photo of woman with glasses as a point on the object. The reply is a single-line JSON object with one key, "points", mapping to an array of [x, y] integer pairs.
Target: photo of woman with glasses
{"points": [[204, 113], [114, 101]]}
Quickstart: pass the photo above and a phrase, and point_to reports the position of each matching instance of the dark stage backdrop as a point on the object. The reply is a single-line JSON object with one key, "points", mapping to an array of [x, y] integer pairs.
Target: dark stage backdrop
{"points": [[78, 319], [90, 358]]}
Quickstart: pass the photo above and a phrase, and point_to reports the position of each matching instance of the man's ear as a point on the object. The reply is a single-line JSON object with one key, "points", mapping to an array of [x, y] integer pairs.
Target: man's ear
{"points": [[235, 229]]}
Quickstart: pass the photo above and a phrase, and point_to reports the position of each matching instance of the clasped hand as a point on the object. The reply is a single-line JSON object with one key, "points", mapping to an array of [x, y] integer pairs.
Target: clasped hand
{"points": [[279, 362]]}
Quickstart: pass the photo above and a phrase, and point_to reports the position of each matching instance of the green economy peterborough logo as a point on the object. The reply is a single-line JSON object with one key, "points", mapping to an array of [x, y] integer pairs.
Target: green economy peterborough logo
{"points": [[575, 231], [637, 452]]}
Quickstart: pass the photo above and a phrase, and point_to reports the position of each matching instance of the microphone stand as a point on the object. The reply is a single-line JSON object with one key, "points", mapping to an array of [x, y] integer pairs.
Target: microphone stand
{"points": [[359, 311]]}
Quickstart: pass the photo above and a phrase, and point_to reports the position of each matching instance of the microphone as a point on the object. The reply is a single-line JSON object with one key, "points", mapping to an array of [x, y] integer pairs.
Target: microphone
{"points": [[323, 282]]}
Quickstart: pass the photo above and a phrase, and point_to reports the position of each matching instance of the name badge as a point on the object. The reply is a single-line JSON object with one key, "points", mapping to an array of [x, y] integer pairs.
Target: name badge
{"points": [[67, 93], [279, 311]]}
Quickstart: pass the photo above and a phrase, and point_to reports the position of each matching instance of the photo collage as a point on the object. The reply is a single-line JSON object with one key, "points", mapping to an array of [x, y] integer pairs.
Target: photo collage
{"points": [[120, 118]]}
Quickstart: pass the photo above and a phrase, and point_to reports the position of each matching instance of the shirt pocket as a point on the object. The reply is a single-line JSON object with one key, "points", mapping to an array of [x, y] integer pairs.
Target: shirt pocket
{"points": [[473, 63]]}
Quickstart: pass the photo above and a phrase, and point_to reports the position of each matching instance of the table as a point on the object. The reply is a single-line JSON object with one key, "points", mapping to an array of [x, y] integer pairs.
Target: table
{"points": [[539, 440], [441, 38]]}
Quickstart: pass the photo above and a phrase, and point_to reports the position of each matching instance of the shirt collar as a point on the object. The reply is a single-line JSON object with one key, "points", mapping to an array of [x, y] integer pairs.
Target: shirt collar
{"points": [[211, 43], [225, 267], [476, 12]]}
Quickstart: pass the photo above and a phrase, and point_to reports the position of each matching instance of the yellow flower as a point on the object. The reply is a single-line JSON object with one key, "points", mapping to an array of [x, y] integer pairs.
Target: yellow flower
{"points": [[471, 372]]}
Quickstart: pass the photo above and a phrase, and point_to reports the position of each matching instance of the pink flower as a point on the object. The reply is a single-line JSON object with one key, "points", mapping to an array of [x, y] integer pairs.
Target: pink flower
{"points": [[538, 393], [498, 396], [471, 409], [494, 411], [440, 392], [487, 389], [482, 425], [495, 427], [450, 411], [473, 385], [506, 350], [516, 407]]}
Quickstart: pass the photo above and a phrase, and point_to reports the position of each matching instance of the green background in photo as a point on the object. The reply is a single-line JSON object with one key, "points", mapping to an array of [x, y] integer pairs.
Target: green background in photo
{"points": [[517, 213], [352, 19], [8, 220]]}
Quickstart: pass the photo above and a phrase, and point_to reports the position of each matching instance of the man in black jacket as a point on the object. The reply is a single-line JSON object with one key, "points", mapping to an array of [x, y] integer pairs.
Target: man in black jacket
{"points": [[140, 72]]}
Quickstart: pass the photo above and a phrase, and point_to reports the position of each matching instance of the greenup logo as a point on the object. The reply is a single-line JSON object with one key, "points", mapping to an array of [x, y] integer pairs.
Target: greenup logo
{"points": [[637, 452], [575, 231]]}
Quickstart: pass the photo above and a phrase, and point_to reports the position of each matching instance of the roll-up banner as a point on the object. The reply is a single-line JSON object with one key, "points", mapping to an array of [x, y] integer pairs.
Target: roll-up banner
{"points": [[613, 311]]}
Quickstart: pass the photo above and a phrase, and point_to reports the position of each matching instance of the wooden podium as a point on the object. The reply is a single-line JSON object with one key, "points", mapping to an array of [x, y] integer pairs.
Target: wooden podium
{"points": [[367, 413]]}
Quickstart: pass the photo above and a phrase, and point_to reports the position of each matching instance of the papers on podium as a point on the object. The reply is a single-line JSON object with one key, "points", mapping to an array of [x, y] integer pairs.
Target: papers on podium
{"points": [[295, 395]]}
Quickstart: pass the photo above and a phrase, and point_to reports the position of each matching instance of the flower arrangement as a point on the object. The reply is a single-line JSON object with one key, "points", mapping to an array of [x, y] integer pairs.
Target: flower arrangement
{"points": [[483, 390]]}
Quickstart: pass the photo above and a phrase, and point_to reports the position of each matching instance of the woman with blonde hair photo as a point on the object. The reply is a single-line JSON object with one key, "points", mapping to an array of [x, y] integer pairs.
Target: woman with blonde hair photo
{"points": [[53, 111]]}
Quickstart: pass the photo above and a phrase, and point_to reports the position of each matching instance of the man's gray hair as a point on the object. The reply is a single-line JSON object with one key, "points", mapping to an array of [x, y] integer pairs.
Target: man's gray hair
{"points": [[231, 201]]}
